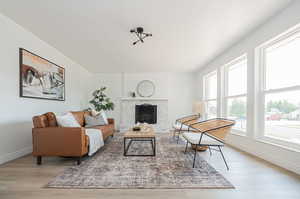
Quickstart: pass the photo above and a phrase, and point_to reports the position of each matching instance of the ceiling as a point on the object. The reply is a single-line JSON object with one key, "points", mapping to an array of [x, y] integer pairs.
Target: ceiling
{"points": [[186, 34]]}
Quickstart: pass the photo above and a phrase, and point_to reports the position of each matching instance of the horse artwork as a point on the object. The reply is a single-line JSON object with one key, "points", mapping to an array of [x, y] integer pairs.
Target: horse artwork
{"points": [[40, 78]]}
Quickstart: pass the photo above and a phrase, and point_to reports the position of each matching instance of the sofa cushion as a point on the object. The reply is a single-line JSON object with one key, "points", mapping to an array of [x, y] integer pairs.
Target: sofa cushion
{"points": [[104, 116], [106, 130], [40, 121], [94, 121], [102, 113], [51, 119], [67, 120], [194, 138], [79, 116], [94, 113]]}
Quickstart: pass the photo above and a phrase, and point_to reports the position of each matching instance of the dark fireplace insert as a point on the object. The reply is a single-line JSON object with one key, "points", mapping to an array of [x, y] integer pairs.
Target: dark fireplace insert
{"points": [[146, 113]]}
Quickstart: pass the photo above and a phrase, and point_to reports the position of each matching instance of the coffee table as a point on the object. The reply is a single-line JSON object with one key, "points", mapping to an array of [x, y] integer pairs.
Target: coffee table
{"points": [[146, 134]]}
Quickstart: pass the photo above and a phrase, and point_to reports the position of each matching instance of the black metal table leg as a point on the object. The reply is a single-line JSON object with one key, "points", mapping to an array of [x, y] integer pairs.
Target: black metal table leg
{"points": [[127, 147], [124, 146], [152, 144], [154, 148]]}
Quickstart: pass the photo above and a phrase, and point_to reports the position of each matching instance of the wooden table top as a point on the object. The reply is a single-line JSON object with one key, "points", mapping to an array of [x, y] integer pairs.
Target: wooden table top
{"points": [[145, 132]]}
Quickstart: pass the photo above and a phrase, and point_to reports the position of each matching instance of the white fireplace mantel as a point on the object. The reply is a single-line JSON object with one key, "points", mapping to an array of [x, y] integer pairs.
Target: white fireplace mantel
{"points": [[143, 99]]}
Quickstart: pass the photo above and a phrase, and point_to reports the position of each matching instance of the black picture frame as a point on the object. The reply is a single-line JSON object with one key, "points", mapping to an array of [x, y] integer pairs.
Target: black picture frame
{"points": [[52, 74]]}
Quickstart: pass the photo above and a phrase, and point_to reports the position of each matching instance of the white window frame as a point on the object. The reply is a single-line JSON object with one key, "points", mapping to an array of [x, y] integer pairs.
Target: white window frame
{"points": [[291, 34], [226, 97], [206, 99]]}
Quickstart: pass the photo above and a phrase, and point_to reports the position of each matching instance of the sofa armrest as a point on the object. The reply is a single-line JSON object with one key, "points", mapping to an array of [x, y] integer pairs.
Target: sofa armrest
{"points": [[111, 121], [59, 141]]}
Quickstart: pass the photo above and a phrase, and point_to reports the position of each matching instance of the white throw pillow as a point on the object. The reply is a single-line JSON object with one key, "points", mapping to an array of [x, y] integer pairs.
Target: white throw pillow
{"points": [[67, 120], [91, 121], [104, 117], [94, 113]]}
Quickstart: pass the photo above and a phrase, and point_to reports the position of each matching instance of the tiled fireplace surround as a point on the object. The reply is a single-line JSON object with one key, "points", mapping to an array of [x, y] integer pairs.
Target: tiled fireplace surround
{"points": [[128, 112]]}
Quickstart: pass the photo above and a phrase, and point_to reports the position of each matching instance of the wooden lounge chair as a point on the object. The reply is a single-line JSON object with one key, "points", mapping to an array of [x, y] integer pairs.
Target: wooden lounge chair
{"points": [[210, 133], [182, 125]]}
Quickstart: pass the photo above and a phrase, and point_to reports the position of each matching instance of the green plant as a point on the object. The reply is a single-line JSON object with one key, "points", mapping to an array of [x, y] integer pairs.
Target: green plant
{"points": [[100, 101], [281, 105]]}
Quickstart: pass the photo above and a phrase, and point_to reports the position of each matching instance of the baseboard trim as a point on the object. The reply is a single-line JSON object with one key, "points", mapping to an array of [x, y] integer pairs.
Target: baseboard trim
{"points": [[14, 155], [255, 150]]}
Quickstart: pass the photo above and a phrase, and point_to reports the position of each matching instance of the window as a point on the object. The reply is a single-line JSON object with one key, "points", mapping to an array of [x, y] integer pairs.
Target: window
{"points": [[280, 85], [236, 92], [210, 94]]}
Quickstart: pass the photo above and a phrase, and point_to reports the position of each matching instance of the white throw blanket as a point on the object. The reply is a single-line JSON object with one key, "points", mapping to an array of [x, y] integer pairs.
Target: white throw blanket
{"points": [[95, 140]]}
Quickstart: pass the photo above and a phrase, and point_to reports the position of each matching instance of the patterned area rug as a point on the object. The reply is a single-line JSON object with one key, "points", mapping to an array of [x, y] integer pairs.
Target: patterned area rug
{"points": [[170, 169]]}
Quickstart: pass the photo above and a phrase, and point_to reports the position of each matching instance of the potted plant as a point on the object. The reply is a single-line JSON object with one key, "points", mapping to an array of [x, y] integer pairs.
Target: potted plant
{"points": [[100, 101]]}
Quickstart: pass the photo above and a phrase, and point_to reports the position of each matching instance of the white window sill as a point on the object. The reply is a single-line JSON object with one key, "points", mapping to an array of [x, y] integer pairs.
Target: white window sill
{"points": [[283, 144], [238, 132]]}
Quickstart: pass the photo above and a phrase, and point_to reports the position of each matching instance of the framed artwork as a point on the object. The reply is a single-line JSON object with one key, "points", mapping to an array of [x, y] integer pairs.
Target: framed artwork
{"points": [[40, 78]]}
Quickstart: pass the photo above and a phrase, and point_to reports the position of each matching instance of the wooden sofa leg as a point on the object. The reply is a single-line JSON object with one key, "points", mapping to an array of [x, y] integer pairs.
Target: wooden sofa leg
{"points": [[78, 160], [39, 160]]}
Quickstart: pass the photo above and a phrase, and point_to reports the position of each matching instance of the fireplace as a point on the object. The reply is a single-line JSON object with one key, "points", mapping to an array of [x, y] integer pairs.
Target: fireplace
{"points": [[146, 113]]}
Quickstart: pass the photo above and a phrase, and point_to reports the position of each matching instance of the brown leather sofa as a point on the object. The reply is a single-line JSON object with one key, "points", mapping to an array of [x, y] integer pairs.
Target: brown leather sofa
{"points": [[51, 140]]}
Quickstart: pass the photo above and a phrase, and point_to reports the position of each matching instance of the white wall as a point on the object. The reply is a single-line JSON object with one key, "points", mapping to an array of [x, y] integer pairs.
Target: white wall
{"points": [[16, 112], [278, 24], [178, 88]]}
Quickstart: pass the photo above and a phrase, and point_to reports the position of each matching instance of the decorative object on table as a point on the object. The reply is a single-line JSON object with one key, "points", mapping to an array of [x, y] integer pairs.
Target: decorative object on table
{"points": [[141, 35], [169, 169], [145, 88], [145, 127], [132, 94], [136, 128], [40, 78]]}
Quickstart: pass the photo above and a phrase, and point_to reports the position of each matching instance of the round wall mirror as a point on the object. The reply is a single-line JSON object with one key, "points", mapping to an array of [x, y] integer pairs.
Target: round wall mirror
{"points": [[145, 88]]}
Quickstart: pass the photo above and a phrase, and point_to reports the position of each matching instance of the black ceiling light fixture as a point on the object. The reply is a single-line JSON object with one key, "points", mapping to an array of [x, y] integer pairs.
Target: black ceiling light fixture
{"points": [[139, 32]]}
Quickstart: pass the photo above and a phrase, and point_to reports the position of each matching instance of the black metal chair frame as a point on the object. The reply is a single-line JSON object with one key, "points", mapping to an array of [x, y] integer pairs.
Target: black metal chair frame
{"points": [[183, 123], [209, 145]]}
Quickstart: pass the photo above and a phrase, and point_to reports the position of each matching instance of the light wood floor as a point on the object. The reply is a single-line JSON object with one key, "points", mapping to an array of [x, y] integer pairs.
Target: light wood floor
{"points": [[252, 177]]}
